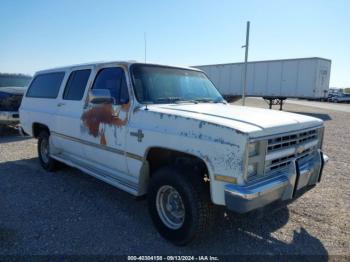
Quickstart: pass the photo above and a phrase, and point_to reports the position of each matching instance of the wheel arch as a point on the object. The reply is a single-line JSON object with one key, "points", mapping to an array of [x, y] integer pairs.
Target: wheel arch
{"points": [[157, 157], [38, 127]]}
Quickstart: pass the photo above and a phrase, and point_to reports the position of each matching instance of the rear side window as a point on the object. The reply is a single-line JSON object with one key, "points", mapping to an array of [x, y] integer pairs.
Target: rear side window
{"points": [[76, 85], [46, 85], [113, 79]]}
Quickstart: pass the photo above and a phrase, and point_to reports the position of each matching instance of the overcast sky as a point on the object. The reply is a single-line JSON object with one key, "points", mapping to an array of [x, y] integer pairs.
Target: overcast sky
{"points": [[36, 35]]}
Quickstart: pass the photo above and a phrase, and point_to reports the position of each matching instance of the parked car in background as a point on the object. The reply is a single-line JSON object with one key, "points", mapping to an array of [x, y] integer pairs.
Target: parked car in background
{"points": [[333, 92], [166, 132], [340, 97], [10, 101]]}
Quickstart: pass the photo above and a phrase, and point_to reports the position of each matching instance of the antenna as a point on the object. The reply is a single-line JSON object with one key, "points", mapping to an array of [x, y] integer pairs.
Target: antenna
{"points": [[246, 46], [145, 38]]}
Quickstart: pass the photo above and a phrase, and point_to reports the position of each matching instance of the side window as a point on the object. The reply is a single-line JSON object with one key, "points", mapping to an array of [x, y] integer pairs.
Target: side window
{"points": [[113, 79], [46, 85], [76, 85]]}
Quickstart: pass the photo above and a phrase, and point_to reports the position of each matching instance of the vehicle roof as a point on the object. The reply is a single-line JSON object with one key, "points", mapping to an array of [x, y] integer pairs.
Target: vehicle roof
{"points": [[107, 63]]}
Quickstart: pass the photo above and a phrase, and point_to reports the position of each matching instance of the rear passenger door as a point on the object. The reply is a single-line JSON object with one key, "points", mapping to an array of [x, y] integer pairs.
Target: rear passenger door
{"points": [[68, 117]]}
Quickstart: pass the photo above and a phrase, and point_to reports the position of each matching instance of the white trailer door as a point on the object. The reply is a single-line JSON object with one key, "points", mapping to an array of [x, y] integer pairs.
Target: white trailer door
{"points": [[323, 75], [306, 78]]}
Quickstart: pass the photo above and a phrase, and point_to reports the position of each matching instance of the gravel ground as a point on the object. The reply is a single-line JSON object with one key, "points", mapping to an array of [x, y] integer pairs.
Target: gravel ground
{"points": [[68, 212]]}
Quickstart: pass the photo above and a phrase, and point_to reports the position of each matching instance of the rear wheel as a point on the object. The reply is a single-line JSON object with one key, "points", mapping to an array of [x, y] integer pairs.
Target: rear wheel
{"points": [[179, 205], [45, 159]]}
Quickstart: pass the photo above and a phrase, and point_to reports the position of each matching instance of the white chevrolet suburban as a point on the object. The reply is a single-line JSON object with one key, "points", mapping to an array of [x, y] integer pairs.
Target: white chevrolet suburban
{"points": [[167, 133]]}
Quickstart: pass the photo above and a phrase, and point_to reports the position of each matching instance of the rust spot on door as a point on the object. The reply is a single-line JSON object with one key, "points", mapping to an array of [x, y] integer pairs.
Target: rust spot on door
{"points": [[104, 114]]}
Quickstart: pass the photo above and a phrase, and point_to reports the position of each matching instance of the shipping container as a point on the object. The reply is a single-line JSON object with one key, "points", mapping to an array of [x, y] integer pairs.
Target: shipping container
{"points": [[273, 79]]}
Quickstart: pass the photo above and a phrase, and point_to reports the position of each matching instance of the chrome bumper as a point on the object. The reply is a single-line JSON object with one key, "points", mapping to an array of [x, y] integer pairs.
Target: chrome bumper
{"points": [[281, 186], [9, 117]]}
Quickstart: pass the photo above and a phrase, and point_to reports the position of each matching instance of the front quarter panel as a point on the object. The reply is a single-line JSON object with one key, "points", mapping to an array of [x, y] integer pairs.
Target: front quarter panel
{"points": [[221, 148]]}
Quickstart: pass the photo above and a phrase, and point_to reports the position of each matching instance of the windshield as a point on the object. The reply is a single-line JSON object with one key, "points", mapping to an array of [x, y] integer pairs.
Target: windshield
{"points": [[161, 84]]}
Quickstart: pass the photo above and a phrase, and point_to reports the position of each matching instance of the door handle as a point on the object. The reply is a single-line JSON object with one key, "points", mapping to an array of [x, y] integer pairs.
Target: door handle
{"points": [[60, 104]]}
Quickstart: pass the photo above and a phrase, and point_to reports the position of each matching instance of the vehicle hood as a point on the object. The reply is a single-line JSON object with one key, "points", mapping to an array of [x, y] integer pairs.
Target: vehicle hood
{"points": [[255, 121], [16, 90]]}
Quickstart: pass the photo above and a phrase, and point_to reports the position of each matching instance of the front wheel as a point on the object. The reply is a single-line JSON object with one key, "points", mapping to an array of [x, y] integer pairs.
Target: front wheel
{"points": [[179, 205]]}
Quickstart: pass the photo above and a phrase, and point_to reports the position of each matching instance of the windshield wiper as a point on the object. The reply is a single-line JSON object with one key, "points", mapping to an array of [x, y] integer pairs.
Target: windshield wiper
{"points": [[168, 99], [177, 100], [174, 100], [209, 100]]}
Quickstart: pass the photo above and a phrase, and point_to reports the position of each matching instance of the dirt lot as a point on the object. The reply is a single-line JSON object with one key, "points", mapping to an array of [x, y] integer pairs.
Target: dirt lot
{"points": [[68, 212]]}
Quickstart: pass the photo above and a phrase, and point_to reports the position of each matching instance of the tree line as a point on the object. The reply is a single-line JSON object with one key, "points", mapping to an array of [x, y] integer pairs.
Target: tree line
{"points": [[8, 79]]}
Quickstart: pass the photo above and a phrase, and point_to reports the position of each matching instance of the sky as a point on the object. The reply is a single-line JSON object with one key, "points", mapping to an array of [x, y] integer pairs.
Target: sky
{"points": [[41, 34]]}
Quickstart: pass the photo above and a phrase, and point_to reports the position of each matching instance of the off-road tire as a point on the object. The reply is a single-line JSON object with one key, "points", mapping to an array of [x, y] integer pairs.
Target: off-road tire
{"points": [[51, 164], [199, 211]]}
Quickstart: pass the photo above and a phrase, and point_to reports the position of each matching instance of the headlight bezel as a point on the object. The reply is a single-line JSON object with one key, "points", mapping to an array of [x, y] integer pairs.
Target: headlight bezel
{"points": [[253, 149], [255, 155]]}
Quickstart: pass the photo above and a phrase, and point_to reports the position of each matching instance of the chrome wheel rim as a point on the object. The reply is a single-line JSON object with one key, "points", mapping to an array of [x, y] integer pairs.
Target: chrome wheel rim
{"points": [[45, 150], [170, 207]]}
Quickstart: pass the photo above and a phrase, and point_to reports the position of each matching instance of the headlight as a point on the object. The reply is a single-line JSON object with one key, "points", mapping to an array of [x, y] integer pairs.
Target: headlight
{"points": [[255, 165], [253, 149], [252, 170]]}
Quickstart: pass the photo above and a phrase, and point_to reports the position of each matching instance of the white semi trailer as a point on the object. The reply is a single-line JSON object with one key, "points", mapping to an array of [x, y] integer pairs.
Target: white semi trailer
{"points": [[274, 80]]}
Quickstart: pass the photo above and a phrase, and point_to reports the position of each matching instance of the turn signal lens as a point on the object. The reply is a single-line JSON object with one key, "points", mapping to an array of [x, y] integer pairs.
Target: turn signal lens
{"points": [[252, 170]]}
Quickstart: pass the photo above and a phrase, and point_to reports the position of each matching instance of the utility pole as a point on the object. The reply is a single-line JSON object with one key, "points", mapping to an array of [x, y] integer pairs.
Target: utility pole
{"points": [[144, 36], [246, 46]]}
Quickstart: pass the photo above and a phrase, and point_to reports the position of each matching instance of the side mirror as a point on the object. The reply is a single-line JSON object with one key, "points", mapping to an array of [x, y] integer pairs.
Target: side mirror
{"points": [[100, 96]]}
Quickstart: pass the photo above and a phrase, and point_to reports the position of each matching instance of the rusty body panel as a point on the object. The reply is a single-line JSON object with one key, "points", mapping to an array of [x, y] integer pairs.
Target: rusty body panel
{"points": [[104, 114]]}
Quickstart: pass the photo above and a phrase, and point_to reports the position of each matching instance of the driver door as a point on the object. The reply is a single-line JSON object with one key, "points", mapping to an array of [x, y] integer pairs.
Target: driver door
{"points": [[105, 125]]}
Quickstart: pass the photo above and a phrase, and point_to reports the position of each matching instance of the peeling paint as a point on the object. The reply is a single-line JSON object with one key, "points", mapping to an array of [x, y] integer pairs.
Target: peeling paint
{"points": [[229, 161], [219, 140], [93, 117]]}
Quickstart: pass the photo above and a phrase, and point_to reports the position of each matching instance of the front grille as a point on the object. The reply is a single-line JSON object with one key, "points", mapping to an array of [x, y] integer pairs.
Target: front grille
{"points": [[290, 143], [282, 142]]}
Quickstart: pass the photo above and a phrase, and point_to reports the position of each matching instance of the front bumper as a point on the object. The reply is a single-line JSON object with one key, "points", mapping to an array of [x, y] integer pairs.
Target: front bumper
{"points": [[279, 186], [9, 117]]}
